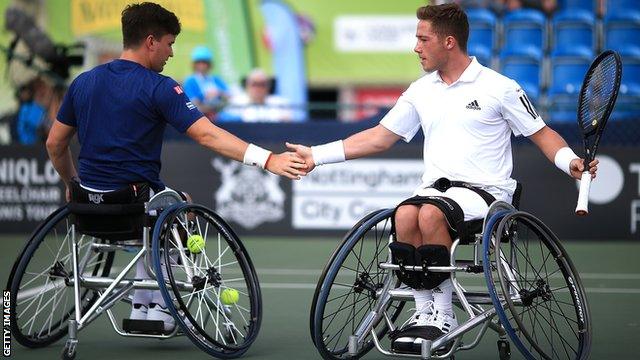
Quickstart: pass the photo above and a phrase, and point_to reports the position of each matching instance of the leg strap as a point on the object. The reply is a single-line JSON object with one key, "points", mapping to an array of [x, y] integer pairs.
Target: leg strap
{"points": [[433, 255], [404, 254]]}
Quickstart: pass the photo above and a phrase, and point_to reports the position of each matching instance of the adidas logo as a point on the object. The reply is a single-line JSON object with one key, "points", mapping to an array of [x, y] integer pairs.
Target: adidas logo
{"points": [[474, 105]]}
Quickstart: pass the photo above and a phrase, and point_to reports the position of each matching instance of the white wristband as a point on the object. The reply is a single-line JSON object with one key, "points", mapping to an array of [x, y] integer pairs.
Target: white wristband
{"points": [[329, 153], [256, 156], [563, 159]]}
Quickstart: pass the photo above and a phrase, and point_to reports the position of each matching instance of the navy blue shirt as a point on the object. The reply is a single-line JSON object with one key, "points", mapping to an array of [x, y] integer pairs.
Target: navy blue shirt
{"points": [[120, 110]]}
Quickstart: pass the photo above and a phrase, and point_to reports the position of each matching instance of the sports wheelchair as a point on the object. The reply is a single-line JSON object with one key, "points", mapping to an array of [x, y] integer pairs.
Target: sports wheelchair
{"points": [[533, 294], [74, 268]]}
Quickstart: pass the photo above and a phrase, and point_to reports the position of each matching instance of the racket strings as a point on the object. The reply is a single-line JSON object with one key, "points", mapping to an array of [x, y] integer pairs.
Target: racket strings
{"points": [[598, 92]]}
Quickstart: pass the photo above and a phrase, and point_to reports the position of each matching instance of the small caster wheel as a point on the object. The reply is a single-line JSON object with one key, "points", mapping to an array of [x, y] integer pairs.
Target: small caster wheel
{"points": [[69, 351], [504, 350]]}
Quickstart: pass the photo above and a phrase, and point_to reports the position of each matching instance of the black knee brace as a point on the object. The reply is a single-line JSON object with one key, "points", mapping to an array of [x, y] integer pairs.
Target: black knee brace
{"points": [[433, 255], [404, 254]]}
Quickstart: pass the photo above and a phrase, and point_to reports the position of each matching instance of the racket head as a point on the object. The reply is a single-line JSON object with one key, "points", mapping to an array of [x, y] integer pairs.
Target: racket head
{"points": [[599, 92]]}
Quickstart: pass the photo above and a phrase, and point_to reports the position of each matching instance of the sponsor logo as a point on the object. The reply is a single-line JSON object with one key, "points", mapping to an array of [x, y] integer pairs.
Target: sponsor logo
{"points": [[96, 198], [248, 196], [178, 89], [474, 105], [190, 105]]}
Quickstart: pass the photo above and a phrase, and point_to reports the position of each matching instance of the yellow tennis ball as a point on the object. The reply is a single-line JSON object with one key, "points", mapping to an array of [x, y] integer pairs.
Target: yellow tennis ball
{"points": [[195, 244], [229, 296]]}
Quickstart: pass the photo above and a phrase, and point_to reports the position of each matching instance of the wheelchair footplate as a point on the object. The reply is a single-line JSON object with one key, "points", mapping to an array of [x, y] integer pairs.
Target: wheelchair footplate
{"points": [[150, 327]]}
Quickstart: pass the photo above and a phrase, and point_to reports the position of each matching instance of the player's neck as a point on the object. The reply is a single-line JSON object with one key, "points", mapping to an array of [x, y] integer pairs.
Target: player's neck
{"points": [[135, 56], [455, 67]]}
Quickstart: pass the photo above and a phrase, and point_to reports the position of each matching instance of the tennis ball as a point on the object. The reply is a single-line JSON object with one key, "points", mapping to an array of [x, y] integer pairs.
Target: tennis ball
{"points": [[195, 244], [229, 296]]}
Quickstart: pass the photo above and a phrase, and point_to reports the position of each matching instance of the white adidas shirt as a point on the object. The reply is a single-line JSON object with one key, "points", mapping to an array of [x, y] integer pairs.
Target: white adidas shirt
{"points": [[467, 126]]}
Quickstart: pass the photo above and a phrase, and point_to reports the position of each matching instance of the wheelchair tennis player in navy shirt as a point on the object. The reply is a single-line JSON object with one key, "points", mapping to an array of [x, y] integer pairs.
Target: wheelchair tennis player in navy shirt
{"points": [[120, 110]]}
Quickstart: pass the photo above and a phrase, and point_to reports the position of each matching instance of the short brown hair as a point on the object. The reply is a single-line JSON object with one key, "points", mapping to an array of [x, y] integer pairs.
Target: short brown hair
{"points": [[447, 20], [142, 20]]}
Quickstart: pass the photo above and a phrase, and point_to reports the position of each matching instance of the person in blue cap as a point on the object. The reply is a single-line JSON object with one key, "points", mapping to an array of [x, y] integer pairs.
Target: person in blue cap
{"points": [[208, 92]]}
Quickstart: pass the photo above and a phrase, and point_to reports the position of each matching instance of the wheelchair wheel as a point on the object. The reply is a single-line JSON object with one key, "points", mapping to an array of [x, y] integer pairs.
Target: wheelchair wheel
{"points": [[213, 294], [351, 286], [41, 294], [537, 291]]}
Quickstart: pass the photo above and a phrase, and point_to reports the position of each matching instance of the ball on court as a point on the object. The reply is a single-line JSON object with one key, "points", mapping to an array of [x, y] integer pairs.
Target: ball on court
{"points": [[195, 244], [229, 296]]}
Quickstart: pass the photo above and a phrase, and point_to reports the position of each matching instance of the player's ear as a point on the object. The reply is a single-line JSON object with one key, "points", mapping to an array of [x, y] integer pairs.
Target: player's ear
{"points": [[450, 42]]}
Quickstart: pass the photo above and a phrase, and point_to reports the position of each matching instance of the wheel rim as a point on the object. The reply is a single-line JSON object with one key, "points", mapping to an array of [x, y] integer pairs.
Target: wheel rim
{"points": [[43, 299], [354, 288], [221, 266], [542, 292]]}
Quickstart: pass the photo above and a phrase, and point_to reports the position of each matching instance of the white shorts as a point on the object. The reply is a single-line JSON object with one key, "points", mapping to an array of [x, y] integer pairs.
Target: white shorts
{"points": [[472, 204]]}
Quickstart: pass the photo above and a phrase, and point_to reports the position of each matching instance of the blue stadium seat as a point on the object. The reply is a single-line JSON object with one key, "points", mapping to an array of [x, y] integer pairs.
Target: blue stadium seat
{"points": [[627, 108], [563, 108], [482, 54], [630, 84], [525, 68], [622, 33], [622, 6], [524, 28], [567, 74], [587, 5], [573, 33], [482, 23]]}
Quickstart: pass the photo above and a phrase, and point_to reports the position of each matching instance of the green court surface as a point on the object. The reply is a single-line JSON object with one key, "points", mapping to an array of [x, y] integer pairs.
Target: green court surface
{"points": [[289, 268]]}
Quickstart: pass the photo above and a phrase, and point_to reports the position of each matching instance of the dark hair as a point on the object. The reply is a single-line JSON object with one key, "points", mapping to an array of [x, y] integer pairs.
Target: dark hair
{"points": [[447, 20], [142, 20]]}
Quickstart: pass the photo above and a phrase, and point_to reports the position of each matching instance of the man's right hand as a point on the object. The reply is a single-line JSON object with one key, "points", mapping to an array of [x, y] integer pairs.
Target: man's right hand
{"points": [[305, 153], [288, 164]]}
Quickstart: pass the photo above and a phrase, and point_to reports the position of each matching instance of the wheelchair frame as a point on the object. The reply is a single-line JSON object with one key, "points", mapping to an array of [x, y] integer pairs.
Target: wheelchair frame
{"points": [[471, 302], [103, 292]]}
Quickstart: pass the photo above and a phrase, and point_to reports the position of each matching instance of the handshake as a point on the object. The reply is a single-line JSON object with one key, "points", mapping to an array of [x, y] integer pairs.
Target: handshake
{"points": [[293, 164], [299, 160]]}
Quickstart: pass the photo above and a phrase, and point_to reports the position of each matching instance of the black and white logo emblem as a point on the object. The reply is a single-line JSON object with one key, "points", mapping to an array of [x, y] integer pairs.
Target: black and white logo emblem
{"points": [[96, 198], [473, 105], [248, 196]]}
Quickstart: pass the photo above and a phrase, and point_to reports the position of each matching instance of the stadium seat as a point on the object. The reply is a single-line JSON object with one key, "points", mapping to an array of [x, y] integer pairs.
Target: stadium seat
{"points": [[622, 33], [567, 74], [482, 54], [587, 5], [482, 23], [563, 108], [622, 6], [630, 84], [523, 29], [573, 33], [627, 108], [525, 67]]}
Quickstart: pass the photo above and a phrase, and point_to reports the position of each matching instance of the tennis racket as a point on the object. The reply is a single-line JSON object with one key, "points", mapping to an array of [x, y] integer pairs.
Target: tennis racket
{"points": [[597, 98]]}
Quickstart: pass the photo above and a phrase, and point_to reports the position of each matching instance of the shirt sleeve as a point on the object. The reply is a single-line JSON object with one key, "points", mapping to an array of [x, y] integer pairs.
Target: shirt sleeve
{"points": [[519, 112], [66, 113], [403, 119], [174, 105]]}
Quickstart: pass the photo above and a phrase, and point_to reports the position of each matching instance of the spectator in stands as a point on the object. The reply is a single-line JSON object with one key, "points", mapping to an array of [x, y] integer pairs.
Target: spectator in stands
{"points": [[546, 6], [208, 92], [39, 99], [256, 104]]}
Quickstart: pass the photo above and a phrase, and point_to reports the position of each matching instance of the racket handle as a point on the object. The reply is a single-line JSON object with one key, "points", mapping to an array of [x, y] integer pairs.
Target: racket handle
{"points": [[583, 196]]}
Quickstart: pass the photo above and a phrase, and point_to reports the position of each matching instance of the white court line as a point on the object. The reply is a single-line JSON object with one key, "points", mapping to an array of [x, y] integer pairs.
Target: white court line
{"points": [[300, 286], [312, 272]]}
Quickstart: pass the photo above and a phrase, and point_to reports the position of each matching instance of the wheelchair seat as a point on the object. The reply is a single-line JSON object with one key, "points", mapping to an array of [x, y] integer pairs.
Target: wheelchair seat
{"points": [[475, 227], [115, 216]]}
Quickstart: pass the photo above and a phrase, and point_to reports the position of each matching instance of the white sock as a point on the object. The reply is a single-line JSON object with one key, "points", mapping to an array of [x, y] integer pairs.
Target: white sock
{"points": [[141, 296], [442, 297], [422, 298], [157, 296]]}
